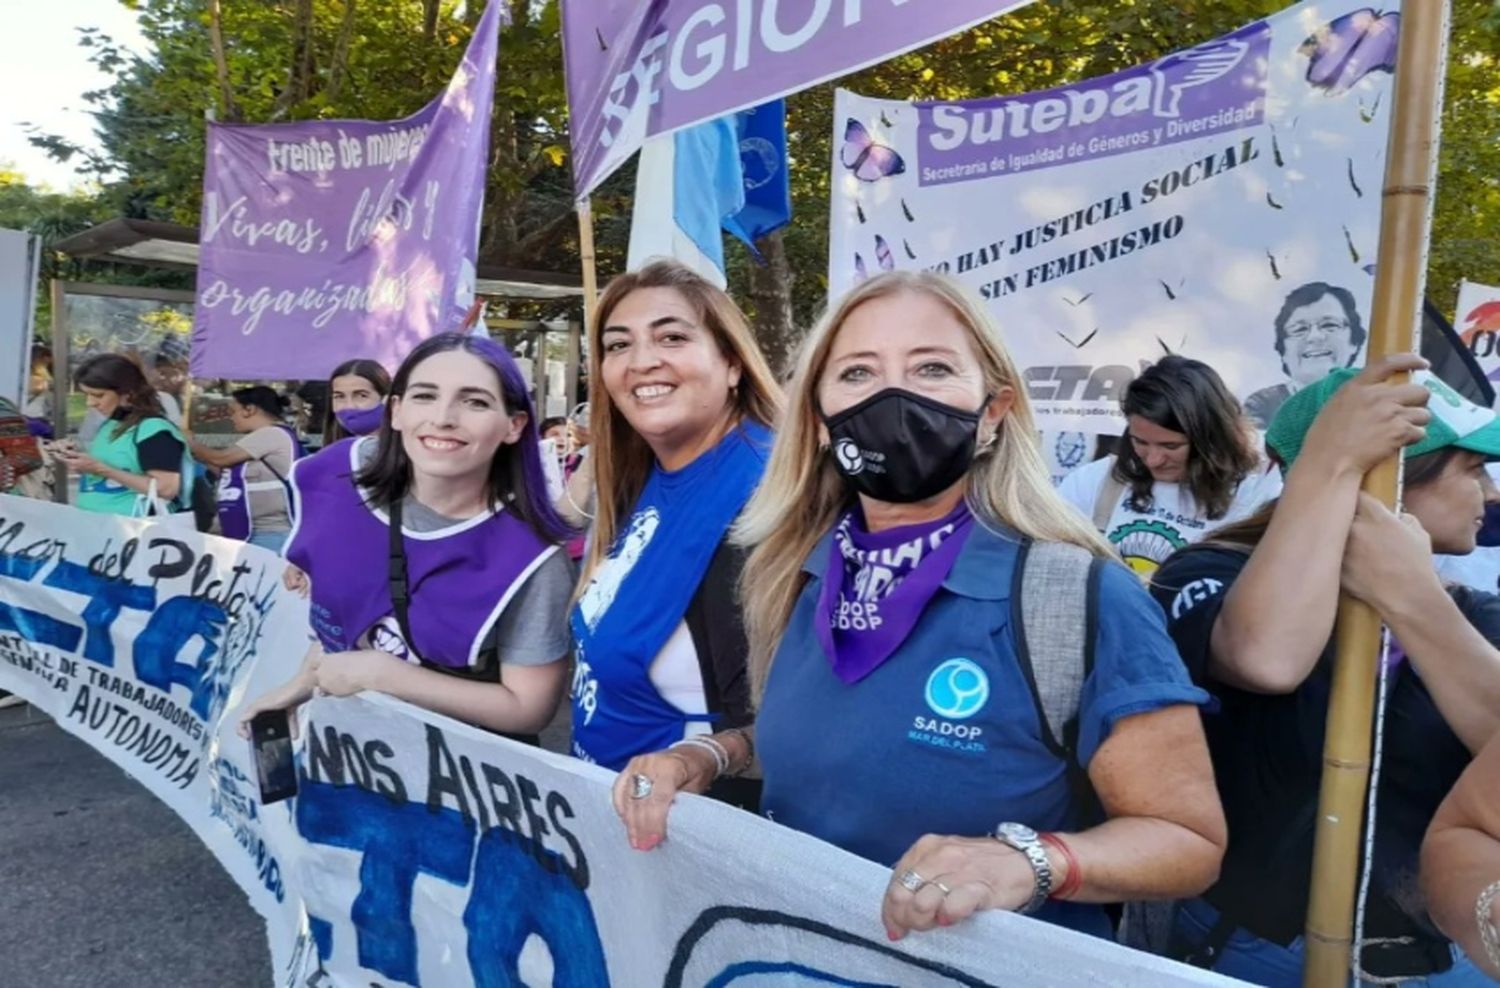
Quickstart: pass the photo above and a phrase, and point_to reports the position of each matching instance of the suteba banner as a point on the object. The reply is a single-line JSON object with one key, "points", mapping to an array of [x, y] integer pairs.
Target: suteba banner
{"points": [[1222, 202]]}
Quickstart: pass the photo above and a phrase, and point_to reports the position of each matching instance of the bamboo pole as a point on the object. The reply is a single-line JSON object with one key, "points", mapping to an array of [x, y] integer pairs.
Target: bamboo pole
{"points": [[586, 256], [1405, 225]]}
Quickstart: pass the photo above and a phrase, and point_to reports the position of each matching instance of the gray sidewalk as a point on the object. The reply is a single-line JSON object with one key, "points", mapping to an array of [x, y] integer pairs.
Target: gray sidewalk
{"points": [[101, 884]]}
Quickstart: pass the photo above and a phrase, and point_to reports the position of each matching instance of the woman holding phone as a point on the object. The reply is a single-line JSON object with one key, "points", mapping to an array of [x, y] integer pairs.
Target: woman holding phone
{"points": [[431, 550]]}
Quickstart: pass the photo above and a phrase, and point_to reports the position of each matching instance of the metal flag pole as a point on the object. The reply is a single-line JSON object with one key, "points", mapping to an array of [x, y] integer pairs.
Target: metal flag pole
{"points": [[1405, 225]]}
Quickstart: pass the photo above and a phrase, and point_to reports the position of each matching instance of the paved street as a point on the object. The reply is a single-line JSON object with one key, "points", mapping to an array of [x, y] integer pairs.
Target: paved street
{"points": [[102, 886]]}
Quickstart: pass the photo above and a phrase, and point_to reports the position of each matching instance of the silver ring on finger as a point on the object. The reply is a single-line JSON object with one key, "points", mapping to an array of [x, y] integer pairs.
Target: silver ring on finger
{"points": [[941, 887], [911, 881], [640, 786]]}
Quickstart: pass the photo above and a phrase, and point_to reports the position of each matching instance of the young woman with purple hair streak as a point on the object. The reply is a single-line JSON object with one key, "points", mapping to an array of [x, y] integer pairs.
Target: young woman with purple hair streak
{"points": [[447, 501]]}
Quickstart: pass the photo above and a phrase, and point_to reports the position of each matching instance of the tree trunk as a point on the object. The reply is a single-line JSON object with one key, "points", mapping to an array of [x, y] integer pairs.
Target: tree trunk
{"points": [[429, 19], [771, 294], [340, 67], [230, 109], [299, 79]]}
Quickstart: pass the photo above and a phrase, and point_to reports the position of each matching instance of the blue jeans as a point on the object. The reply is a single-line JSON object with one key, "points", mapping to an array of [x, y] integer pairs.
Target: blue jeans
{"points": [[1261, 962], [269, 540]]}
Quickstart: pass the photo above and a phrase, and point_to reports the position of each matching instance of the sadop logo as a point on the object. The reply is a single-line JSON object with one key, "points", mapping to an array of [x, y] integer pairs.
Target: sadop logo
{"points": [[850, 458], [957, 689]]}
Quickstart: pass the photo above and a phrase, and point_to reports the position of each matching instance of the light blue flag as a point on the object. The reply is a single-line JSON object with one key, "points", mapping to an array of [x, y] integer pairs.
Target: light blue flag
{"points": [[709, 185], [686, 185]]}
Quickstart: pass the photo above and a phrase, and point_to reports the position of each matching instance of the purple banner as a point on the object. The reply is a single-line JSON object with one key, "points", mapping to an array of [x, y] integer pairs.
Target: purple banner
{"points": [[1217, 87], [639, 68], [331, 239]]}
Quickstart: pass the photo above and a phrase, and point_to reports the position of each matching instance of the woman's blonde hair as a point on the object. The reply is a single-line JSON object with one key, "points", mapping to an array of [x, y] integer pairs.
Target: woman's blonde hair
{"points": [[619, 458], [802, 493]]}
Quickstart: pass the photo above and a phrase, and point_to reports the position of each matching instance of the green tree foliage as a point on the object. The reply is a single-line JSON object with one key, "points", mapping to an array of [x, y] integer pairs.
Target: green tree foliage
{"points": [[301, 59]]}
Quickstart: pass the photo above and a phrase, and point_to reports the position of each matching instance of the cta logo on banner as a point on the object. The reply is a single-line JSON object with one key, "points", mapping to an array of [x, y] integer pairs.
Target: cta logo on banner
{"points": [[637, 69], [1222, 203], [330, 239], [1477, 321]]}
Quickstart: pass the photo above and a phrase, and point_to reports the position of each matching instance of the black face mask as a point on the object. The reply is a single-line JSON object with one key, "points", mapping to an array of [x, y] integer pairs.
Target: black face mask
{"points": [[900, 447]]}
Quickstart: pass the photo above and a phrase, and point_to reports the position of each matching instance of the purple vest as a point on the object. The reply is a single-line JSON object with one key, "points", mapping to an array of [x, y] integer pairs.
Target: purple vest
{"points": [[235, 520], [461, 578]]}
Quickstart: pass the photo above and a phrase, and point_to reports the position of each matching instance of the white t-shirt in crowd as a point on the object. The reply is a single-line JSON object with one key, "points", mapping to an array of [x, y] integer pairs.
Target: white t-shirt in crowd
{"points": [[1146, 538]]}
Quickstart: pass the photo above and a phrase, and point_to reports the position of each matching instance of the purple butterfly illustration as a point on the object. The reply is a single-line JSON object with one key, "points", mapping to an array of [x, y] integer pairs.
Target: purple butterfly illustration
{"points": [[859, 267], [868, 160], [1350, 47]]}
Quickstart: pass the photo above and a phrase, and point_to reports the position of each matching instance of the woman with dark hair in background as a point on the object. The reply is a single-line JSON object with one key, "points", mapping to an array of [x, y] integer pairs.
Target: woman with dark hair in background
{"points": [[1252, 610], [1187, 459], [356, 399], [137, 449], [432, 550], [351, 403], [253, 500]]}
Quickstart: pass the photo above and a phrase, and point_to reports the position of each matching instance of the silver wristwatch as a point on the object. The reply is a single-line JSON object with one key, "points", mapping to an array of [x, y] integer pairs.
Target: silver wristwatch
{"points": [[1029, 843]]}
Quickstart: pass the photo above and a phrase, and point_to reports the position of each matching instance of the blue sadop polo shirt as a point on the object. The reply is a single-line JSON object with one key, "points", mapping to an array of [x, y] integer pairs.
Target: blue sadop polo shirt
{"points": [[944, 737]]}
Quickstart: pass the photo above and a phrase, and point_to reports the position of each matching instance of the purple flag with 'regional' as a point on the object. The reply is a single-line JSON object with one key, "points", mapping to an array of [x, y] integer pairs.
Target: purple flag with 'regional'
{"points": [[639, 68], [331, 239]]}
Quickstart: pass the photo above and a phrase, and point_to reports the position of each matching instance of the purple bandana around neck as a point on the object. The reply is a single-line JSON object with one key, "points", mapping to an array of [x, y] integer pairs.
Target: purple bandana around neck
{"points": [[878, 585]]}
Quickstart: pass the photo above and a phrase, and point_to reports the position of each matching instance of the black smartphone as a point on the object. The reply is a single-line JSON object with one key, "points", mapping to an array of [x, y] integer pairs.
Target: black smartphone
{"points": [[271, 750]]}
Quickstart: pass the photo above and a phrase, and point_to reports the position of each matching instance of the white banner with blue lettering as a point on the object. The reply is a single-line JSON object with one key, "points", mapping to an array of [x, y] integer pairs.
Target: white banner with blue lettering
{"points": [[421, 851], [1222, 202], [141, 640], [438, 854]]}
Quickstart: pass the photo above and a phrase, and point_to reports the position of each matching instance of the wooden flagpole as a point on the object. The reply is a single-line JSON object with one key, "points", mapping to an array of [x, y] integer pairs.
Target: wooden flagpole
{"points": [[1405, 225], [586, 256]]}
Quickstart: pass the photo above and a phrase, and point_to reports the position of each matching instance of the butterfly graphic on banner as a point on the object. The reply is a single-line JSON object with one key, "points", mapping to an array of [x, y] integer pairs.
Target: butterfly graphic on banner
{"points": [[883, 257], [869, 160], [1348, 48]]}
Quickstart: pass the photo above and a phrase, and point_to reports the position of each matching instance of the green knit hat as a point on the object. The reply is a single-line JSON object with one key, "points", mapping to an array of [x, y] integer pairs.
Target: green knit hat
{"points": [[1456, 421]]}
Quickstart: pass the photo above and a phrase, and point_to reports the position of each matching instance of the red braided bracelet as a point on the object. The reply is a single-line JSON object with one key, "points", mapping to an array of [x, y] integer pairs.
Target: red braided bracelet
{"points": [[1074, 880]]}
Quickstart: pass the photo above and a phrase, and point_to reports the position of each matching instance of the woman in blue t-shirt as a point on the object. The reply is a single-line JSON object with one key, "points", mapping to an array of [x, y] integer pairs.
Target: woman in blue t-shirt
{"points": [[899, 709], [681, 412]]}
